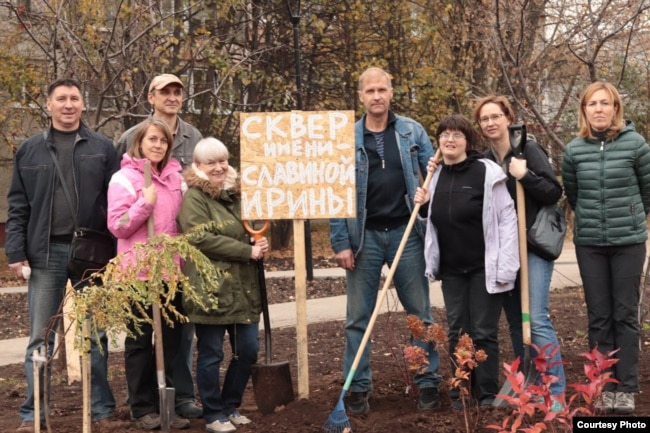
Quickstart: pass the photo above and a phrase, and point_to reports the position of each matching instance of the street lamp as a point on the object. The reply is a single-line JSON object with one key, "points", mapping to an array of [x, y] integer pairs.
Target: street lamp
{"points": [[294, 11]]}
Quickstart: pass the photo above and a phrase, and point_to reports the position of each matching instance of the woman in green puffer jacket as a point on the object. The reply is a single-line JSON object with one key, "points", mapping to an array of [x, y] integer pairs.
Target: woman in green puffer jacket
{"points": [[213, 195], [606, 175]]}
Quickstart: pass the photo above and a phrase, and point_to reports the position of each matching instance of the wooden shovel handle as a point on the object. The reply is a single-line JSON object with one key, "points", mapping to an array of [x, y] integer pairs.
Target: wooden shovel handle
{"points": [[147, 183], [523, 259], [157, 316]]}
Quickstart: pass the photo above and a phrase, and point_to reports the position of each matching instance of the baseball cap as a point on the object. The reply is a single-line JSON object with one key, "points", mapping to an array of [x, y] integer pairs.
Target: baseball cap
{"points": [[163, 80]]}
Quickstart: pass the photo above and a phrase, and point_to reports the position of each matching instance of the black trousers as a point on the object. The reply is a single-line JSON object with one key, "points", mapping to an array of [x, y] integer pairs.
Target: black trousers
{"points": [[140, 364], [611, 277], [512, 309], [474, 311]]}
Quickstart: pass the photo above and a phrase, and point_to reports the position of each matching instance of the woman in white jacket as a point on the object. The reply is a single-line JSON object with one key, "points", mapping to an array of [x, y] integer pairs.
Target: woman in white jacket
{"points": [[471, 245]]}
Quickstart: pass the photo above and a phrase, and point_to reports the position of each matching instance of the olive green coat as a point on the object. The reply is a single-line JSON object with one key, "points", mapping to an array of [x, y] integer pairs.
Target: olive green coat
{"points": [[228, 248]]}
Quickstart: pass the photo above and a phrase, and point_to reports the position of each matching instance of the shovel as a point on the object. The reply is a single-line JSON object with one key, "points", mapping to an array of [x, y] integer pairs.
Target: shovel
{"points": [[166, 395], [517, 144], [272, 384]]}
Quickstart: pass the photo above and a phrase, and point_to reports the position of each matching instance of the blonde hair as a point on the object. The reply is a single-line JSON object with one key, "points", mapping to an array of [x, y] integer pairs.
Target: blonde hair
{"points": [[617, 121], [135, 149], [374, 71]]}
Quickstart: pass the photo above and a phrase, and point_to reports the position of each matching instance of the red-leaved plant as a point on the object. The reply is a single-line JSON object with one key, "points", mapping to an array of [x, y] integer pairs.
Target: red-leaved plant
{"points": [[537, 397], [466, 358], [525, 399]]}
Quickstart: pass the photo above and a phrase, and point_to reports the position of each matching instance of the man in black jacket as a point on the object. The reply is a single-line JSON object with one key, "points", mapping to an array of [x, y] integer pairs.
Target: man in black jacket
{"points": [[40, 226]]}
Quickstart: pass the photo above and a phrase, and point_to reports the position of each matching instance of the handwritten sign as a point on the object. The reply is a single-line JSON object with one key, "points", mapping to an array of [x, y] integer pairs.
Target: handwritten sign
{"points": [[297, 165]]}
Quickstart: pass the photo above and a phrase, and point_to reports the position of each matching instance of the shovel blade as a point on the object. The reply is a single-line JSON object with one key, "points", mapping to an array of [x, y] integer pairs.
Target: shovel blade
{"points": [[531, 377], [272, 386], [167, 407]]}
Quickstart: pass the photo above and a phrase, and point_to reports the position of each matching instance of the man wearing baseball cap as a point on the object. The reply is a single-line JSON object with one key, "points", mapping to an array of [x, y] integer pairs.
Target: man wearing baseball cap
{"points": [[166, 98]]}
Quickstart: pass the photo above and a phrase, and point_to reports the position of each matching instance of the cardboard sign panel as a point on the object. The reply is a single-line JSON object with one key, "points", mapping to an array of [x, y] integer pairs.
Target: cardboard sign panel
{"points": [[297, 165]]}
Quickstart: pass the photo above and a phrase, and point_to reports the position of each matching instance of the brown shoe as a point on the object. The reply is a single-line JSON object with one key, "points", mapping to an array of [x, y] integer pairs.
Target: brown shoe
{"points": [[111, 423], [26, 427]]}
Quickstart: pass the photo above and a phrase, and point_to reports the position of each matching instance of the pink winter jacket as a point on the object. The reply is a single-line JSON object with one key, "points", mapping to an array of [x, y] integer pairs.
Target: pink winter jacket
{"points": [[128, 211]]}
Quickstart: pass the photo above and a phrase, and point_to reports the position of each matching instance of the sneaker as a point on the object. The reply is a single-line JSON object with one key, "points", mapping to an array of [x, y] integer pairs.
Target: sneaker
{"points": [[238, 419], [429, 399], [357, 403], [221, 426], [606, 402], [624, 402], [179, 423], [150, 421], [557, 407], [26, 427], [189, 410]]}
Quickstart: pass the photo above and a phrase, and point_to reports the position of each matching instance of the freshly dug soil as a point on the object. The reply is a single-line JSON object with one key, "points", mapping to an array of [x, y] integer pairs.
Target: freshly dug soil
{"points": [[393, 401]]}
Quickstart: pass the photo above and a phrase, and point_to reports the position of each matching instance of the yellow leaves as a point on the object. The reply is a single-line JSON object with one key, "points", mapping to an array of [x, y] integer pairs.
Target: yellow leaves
{"points": [[126, 288]]}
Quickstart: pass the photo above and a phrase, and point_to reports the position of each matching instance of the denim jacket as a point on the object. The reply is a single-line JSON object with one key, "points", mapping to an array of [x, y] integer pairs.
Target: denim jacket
{"points": [[415, 149]]}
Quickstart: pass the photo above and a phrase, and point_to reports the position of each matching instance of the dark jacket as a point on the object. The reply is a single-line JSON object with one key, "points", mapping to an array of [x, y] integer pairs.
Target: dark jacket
{"points": [[541, 187], [32, 188], [607, 184], [228, 248]]}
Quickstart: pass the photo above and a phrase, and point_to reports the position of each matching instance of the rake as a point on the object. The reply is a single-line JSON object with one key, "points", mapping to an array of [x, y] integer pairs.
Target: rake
{"points": [[338, 421]]}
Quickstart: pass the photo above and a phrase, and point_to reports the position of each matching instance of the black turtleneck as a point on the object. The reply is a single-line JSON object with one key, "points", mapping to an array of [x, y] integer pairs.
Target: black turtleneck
{"points": [[457, 213], [601, 135], [62, 225]]}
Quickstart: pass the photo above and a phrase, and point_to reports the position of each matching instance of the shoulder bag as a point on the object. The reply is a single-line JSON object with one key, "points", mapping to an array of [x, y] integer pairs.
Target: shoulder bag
{"points": [[90, 249], [546, 235]]}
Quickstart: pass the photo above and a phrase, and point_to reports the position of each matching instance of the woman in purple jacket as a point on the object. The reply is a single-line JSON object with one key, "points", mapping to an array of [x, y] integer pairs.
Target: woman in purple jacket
{"points": [[130, 204]]}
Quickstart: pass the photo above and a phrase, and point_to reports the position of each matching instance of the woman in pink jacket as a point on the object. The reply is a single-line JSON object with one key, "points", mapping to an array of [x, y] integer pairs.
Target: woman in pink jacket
{"points": [[130, 204]]}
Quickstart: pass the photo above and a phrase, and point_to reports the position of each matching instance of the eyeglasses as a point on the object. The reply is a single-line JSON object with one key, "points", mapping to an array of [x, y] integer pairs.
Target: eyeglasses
{"points": [[493, 117], [455, 136]]}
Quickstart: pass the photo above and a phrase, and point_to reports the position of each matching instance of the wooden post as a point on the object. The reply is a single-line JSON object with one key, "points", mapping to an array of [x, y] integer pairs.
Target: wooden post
{"points": [[36, 364], [86, 384], [72, 355], [301, 307]]}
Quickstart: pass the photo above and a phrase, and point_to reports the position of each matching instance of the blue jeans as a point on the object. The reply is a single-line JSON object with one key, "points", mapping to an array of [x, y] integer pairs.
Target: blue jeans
{"points": [[412, 288], [45, 294], [542, 332], [220, 401]]}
